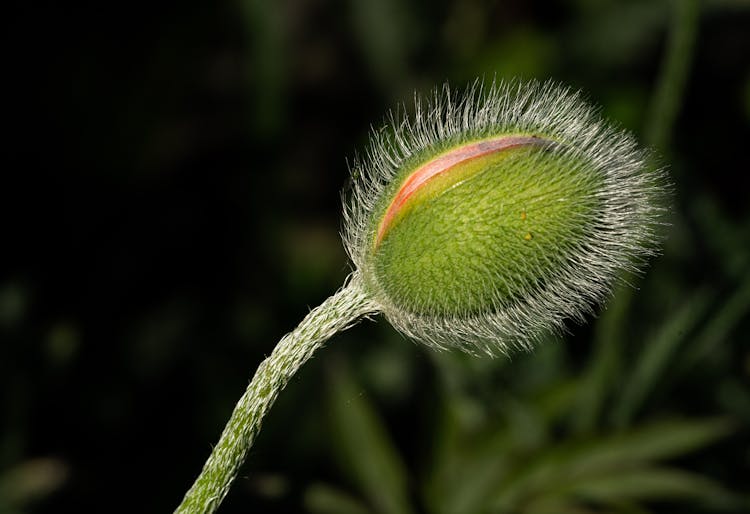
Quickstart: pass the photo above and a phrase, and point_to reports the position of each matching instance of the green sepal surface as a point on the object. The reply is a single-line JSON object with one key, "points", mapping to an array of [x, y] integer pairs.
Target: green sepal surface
{"points": [[486, 232]]}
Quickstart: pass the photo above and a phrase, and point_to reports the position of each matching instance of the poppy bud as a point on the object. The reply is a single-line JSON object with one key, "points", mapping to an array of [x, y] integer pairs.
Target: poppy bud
{"points": [[484, 221]]}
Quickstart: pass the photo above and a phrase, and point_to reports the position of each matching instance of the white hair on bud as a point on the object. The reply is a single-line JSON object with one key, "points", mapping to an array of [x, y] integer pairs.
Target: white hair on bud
{"points": [[622, 235]]}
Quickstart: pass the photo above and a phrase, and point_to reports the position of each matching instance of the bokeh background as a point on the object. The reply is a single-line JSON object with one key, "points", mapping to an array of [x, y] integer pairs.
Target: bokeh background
{"points": [[170, 207]]}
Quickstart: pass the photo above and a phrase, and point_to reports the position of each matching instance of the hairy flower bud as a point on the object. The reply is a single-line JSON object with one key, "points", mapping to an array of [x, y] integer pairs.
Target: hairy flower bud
{"points": [[481, 222], [485, 220]]}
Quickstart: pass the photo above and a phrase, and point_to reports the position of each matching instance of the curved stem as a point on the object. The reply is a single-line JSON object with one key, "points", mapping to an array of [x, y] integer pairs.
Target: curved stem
{"points": [[337, 313]]}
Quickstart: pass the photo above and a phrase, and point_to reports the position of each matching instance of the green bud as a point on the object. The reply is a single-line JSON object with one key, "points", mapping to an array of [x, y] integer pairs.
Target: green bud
{"points": [[484, 231], [486, 220]]}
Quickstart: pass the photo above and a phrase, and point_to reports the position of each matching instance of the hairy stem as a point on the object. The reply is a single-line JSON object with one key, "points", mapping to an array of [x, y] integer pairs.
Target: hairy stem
{"points": [[337, 313]]}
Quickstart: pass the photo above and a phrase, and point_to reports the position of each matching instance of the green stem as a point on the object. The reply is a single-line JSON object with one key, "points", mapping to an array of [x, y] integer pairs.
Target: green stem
{"points": [[337, 313]]}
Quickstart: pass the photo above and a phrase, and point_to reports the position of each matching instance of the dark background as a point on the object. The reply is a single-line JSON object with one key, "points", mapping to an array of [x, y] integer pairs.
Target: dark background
{"points": [[170, 207]]}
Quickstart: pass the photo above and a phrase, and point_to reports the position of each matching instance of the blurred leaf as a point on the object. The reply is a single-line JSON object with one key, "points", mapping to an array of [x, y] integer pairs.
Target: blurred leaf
{"points": [[461, 483], [667, 102], [734, 396], [471, 451], [648, 443], [718, 327], [615, 452], [650, 484], [325, 499], [558, 399], [603, 367], [364, 447], [448, 454], [469, 464], [561, 505], [656, 355], [729, 240]]}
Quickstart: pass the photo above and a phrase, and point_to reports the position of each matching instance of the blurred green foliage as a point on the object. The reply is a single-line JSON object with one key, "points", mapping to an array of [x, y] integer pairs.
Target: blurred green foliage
{"points": [[171, 209]]}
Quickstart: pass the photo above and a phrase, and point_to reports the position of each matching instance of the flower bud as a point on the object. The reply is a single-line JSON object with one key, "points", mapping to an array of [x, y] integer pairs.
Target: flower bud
{"points": [[487, 220]]}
